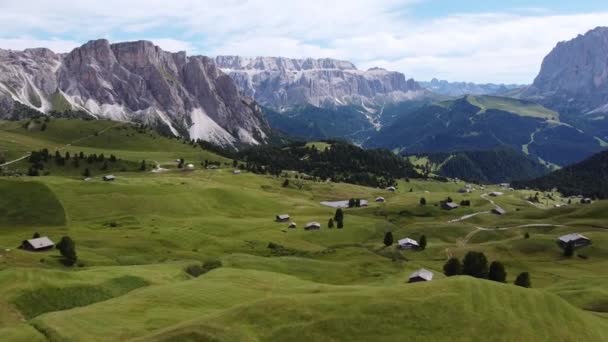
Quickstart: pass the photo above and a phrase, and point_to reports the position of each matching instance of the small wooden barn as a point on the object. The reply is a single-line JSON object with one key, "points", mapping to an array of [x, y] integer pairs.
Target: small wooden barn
{"points": [[312, 226], [578, 240], [499, 211], [38, 244], [408, 243], [449, 205], [421, 275], [282, 218]]}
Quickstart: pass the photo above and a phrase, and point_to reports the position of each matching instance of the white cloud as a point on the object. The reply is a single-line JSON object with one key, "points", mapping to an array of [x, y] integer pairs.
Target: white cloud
{"points": [[498, 47], [57, 45]]}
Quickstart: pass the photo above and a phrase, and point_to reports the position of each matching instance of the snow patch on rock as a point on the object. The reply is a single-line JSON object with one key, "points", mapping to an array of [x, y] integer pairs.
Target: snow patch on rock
{"points": [[204, 128]]}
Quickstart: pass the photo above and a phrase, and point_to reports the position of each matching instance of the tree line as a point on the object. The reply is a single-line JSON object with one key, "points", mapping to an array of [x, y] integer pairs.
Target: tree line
{"points": [[475, 264], [341, 162]]}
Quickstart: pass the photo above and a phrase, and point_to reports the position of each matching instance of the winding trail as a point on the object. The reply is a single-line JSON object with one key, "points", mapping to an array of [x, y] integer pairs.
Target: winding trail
{"points": [[468, 216], [465, 240], [16, 160]]}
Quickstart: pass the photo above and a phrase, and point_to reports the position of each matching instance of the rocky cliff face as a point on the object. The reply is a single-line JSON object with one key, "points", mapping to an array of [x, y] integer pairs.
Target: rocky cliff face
{"points": [[134, 81], [281, 83], [574, 76]]}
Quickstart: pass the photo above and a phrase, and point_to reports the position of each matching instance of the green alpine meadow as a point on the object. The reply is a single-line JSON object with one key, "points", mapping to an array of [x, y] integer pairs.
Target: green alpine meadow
{"points": [[169, 252]]}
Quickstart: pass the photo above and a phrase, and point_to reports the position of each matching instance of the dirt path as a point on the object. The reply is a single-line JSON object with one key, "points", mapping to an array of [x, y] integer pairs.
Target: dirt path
{"points": [[16, 160], [468, 216], [468, 237], [158, 168]]}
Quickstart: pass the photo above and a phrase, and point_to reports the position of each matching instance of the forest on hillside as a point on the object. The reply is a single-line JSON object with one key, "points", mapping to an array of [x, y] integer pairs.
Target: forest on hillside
{"points": [[339, 161], [588, 178]]}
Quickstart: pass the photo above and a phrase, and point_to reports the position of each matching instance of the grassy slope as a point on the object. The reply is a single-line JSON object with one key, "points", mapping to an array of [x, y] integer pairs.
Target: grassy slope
{"points": [[334, 283], [29, 203], [125, 141], [270, 306], [512, 106]]}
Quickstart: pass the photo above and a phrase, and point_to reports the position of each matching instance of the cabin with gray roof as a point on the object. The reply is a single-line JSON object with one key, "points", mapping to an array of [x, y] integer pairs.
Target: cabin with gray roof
{"points": [[499, 211], [312, 226], [109, 178], [578, 240], [282, 218], [38, 244], [408, 243], [421, 275], [449, 205]]}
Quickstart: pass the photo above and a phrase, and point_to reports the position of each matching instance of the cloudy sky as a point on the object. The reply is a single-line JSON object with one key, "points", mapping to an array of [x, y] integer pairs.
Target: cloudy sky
{"points": [[466, 40]]}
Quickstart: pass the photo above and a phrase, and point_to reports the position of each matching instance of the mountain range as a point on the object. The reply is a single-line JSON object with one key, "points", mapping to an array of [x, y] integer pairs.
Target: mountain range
{"points": [[281, 83], [134, 81], [231, 100], [444, 87]]}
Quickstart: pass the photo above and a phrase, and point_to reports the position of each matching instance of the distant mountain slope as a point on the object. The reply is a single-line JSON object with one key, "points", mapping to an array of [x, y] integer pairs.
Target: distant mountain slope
{"points": [[279, 83], [486, 122], [314, 123], [588, 178], [351, 122], [574, 81], [491, 166], [132, 81], [466, 88]]}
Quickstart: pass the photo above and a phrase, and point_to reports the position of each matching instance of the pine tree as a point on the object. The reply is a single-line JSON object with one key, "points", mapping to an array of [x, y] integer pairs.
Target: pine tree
{"points": [[523, 280], [475, 265], [422, 242], [339, 218], [87, 173], [286, 183], [497, 272], [422, 201], [388, 239], [142, 167], [330, 223], [67, 248], [452, 267]]}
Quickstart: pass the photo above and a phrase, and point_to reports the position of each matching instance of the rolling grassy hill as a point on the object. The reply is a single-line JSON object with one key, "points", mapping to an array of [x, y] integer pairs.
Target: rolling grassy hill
{"points": [[136, 236], [128, 142], [515, 106]]}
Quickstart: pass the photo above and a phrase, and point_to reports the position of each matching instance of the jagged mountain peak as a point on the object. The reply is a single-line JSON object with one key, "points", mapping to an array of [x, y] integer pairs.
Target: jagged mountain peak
{"points": [[280, 82], [133, 81], [574, 75]]}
